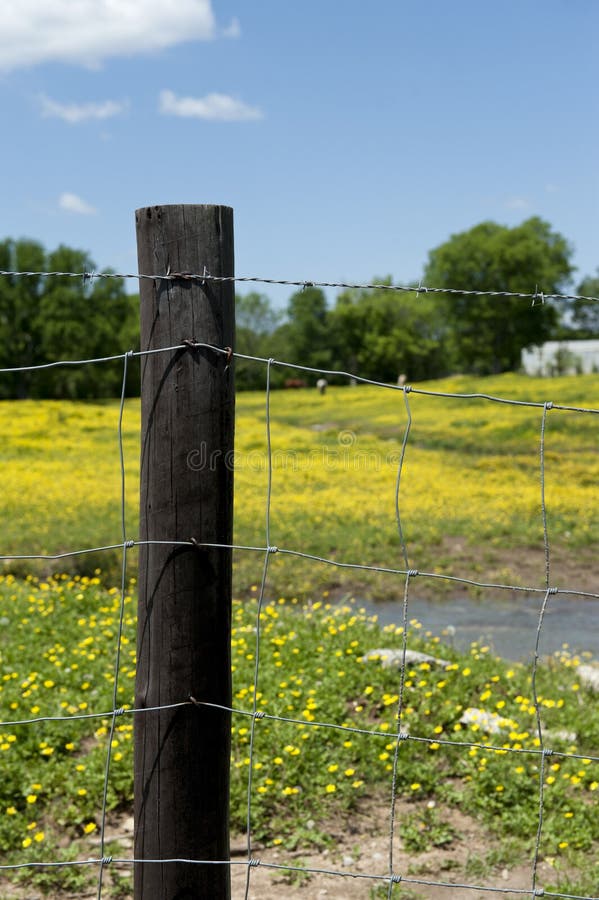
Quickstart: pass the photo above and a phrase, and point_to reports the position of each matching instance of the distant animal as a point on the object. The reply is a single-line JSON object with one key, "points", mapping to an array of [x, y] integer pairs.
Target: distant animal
{"points": [[295, 383], [321, 384]]}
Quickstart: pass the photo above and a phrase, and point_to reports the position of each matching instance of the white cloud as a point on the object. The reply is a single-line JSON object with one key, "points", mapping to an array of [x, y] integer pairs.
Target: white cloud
{"points": [[74, 204], [86, 32], [517, 203], [80, 112], [214, 107]]}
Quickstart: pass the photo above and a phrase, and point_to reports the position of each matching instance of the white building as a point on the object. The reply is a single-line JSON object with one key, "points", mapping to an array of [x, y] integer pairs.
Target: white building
{"points": [[562, 358]]}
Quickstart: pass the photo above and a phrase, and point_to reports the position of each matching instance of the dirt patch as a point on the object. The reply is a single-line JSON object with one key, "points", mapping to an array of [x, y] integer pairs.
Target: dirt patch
{"points": [[523, 566], [353, 866], [477, 564], [361, 855]]}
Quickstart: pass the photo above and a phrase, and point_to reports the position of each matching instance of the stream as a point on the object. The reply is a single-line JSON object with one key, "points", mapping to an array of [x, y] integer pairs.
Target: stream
{"points": [[508, 627]]}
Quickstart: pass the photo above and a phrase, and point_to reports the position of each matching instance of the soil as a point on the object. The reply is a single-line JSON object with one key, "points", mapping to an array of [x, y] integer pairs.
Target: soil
{"points": [[359, 849], [459, 870], [575, 570], [572, 571]]}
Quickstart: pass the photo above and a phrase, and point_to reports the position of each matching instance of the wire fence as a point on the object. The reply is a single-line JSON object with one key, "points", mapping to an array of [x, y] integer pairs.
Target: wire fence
{"points": [[535, 296], [397, 872]]}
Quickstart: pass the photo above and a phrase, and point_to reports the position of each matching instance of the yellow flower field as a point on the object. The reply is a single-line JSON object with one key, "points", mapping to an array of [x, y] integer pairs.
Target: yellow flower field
{"points": [[469, 498], [470, 505]]}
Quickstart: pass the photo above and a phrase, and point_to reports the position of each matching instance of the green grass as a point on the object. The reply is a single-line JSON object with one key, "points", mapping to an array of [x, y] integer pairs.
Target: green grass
{"points": [[470, 505], [470, 480], [57, 658]]}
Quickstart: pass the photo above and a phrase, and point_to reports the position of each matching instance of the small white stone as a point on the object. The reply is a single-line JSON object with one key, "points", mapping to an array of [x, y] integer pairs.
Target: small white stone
{"points": [[589, 675], [488, 722], [392, 658]]}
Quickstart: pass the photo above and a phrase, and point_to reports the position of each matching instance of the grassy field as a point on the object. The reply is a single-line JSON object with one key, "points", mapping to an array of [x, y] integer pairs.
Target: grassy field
{"points": [[58, 658], [469, 499], [470, 505]]}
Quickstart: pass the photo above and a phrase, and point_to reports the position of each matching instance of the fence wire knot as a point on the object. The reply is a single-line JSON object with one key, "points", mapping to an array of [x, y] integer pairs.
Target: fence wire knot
{"points": [[552, 590], [120, 711], [539, 892], [253, 863], [547, 751], [402, 735], [106, 860], [412, 573], [273, 549], [129, 544], [259, 714], [549, 404], [395, 879]]}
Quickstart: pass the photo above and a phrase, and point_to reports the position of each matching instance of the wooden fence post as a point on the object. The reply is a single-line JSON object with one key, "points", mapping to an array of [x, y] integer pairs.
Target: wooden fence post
{"points": [[184, 615]]}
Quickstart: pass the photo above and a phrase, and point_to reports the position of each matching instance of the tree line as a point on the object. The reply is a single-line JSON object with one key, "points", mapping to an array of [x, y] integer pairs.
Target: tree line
{"points": [[376, 333], [381, 334], [43, 320]]}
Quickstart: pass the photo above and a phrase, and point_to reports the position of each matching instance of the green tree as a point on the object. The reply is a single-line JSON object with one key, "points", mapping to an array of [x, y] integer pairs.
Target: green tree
{"points": [[53, 318], [254, 315], [84, 321], [255, 323], [20, 321], [585, 313], [381, 334], [308, 335], [489, 333]]}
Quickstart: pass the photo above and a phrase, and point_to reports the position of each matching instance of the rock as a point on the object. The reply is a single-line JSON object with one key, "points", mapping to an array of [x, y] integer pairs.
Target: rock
{"points": [[488, 722], [392, 658], [589, 676], [491, 723], [569, 737]]}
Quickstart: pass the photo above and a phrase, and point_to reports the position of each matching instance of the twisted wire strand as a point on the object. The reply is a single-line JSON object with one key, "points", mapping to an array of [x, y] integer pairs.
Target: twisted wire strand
{"points": [[536, 296]]}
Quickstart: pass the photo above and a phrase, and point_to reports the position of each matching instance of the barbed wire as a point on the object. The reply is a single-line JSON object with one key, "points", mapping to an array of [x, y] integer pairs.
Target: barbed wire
{"points": [[535, 296], [402, 738]]}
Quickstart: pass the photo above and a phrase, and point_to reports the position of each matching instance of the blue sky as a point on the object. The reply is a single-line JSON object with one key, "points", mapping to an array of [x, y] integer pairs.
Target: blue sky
{"points": [[349, 137]]}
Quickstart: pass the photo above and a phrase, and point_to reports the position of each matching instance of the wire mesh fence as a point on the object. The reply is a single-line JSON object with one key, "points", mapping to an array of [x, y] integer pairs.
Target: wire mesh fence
{"points": [[541, 750]]}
